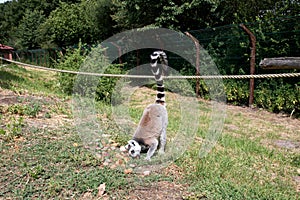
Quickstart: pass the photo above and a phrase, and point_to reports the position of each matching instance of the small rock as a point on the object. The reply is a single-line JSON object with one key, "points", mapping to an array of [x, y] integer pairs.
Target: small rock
{"points": [[99, 156], [118, 155], [106, 162], [123, 149], [132, 165], [298, 171], [101, 190], [75, 144], [105, 148], [105, 154], [112, 148], [98, 148], [146, 173]]}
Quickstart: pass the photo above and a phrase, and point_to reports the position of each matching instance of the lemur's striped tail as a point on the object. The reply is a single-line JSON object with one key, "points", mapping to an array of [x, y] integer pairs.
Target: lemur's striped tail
{"points": [[159, 64]]}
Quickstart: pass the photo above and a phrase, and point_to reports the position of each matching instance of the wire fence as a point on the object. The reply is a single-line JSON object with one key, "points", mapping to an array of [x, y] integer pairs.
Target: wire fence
{"points": [[229, 46]]}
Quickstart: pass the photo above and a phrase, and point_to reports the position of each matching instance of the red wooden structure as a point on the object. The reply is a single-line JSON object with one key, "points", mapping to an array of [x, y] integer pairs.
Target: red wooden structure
{"points": [[6, 51]]}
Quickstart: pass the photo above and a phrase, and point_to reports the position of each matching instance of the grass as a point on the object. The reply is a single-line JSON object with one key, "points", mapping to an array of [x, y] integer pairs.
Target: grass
{"points": [[43, 157]]}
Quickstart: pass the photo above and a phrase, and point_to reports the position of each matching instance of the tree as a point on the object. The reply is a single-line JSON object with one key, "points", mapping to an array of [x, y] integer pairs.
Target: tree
{"points": [[136, 13], [100, 22], [28, 29], [88, 21], [65, 26]]}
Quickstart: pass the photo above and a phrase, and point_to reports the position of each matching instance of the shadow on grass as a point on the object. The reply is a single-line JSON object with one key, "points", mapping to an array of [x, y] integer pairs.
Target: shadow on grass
{"points": [[7, 79]]}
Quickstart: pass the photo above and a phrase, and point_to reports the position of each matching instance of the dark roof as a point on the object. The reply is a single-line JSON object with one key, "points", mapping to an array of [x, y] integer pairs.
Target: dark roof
{"points": [[4, 47]]}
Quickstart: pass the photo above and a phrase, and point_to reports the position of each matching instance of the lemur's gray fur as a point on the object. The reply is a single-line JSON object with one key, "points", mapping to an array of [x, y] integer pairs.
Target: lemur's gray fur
{"points": [[154, 121]]}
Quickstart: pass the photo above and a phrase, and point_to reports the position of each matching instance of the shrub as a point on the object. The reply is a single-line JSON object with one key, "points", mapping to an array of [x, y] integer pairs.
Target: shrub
{"points": [[277, 96], [106, 85], [73, 60]]}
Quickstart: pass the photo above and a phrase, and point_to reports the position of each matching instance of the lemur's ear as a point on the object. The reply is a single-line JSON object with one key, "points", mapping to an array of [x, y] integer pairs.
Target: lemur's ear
{"points": [[127, 147], [130, 144]]}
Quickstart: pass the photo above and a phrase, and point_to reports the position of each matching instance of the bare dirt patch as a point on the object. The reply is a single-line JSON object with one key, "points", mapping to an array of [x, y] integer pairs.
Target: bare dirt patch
{"points": [[158, 190], [7, 97]]}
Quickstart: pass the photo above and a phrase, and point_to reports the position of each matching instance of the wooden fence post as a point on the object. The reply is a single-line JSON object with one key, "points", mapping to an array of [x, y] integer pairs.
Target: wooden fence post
{"points": [[252, 39], [197, 45], [119, 51]]}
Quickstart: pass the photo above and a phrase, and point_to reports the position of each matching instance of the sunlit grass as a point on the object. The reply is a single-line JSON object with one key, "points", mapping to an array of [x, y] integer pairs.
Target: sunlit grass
{"points": [[44, 156]]}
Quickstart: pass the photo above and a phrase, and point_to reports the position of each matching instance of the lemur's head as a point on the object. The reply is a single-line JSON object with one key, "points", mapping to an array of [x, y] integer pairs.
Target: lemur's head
{"points": [[133, 148]]}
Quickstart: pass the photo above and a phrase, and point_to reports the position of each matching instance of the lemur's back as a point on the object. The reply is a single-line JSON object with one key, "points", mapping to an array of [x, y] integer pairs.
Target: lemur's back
{"points": [[153, 121]]}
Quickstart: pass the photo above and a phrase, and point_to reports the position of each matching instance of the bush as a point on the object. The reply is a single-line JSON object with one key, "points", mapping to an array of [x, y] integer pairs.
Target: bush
{"points": [[237, 91], [73, 60], [107, 84], [278, 96]]}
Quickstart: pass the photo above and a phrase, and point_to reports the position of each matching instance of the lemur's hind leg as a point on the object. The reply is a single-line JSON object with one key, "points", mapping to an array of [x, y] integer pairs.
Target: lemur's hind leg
{"points": [[163, 140], [152, 149]]}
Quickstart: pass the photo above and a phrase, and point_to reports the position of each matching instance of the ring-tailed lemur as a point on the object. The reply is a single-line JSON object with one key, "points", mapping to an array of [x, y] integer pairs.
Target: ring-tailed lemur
{"points": [[154, 121]]}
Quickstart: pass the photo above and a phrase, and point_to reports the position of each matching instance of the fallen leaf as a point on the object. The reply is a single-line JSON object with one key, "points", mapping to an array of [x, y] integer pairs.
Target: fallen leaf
{"points": [[113, 166], [115, 144], [119, 162], [128, 171], [87, 196], [101, 190]]}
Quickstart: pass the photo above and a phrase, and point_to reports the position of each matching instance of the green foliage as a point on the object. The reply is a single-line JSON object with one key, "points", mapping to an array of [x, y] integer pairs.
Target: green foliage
{"points": [[72, 60], [275, 97], [13, 129], [88, 21], [13, 13], [107, 85], [28, 29], [65, 25], [237, 92], [31, 109]]}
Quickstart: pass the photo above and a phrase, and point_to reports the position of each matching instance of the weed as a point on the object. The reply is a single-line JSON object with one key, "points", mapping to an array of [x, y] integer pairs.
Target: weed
{"points": [[33, 109], [36, 172], [17, 109], [47, 115], [13, 129]]}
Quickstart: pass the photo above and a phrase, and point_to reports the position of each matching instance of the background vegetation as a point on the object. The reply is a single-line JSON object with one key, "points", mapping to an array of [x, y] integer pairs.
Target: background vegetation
{"points": [[32, 24]]}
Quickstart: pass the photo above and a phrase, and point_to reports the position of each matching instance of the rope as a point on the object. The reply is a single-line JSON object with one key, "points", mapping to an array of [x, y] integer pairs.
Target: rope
{"points": [[282, 75]]}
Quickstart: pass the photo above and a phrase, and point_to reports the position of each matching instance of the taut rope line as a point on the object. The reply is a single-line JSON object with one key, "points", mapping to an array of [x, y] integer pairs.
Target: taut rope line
{"points": [[282, 75]]}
